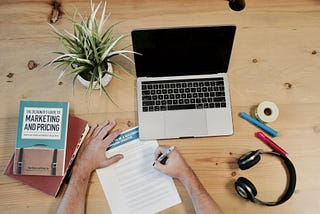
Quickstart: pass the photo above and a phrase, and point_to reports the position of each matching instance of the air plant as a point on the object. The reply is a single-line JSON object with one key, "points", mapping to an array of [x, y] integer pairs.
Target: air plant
{"points": [[90, 49]]}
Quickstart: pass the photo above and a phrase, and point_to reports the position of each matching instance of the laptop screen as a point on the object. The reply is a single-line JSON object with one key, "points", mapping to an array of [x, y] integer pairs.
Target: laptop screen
{"points": [[183, 50]]}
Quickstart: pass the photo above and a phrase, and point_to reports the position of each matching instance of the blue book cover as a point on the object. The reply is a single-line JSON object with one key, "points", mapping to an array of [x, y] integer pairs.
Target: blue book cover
{"points": [[41, 138]]}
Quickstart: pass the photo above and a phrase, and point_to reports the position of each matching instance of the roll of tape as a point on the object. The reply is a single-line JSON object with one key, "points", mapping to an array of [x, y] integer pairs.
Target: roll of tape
{"points": [[267, 112]]}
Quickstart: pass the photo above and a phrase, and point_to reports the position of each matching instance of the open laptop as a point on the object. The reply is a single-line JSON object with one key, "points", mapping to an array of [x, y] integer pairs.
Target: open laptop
{"points": [[182, 83]]}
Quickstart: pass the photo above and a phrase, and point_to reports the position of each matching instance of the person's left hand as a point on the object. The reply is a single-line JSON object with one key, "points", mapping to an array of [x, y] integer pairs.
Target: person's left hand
{"points": [[92, 154]]}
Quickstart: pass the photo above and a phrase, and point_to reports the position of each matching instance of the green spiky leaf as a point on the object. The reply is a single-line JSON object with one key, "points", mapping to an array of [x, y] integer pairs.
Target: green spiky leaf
{"points": [[90, 47]]}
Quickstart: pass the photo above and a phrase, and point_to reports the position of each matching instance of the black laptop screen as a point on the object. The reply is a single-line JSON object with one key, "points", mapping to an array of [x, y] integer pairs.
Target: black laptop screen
{"points": [[182, 51]]}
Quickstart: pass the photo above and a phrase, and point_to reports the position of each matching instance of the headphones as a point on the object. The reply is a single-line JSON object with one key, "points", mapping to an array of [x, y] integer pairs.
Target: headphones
{"points": [[248, 191]]}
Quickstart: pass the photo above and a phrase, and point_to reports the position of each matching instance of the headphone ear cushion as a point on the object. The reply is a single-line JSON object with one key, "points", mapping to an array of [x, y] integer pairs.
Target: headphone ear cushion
{"points": [[245, 188], [245, 161]]}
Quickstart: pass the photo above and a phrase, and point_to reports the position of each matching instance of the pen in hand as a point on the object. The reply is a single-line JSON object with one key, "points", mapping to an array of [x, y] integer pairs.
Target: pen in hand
{"points": [[164, 156]]}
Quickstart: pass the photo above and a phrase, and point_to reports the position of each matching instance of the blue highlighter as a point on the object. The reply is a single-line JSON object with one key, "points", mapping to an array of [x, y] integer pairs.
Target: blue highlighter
{"points": [[259, 124]]}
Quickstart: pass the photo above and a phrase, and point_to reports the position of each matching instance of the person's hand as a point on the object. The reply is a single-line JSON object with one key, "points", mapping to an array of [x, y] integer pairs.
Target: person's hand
{"points": [[175, 166], [92, 155]]}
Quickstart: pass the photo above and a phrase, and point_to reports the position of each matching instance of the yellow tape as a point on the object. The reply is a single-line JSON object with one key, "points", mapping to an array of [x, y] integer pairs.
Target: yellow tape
{"points": [[267, 112]]}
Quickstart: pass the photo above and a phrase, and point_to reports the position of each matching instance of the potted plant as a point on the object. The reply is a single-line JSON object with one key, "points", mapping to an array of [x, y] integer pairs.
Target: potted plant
{"points": [[90, 50]]}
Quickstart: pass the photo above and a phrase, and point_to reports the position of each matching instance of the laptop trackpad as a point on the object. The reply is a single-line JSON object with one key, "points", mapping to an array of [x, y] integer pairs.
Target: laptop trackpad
{"points": [[185, 123]]}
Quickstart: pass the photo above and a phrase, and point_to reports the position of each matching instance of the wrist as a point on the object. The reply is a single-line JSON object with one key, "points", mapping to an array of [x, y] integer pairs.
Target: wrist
{"points": [[186, 175], [81, 169]]}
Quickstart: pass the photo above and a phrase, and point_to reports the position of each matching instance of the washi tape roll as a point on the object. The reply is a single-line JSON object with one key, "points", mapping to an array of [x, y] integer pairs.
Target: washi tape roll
{"points": [[267, 112]]}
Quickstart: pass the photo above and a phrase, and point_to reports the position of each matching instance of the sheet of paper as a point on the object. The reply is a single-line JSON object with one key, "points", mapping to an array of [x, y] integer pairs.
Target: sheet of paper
{"points": [[133, 185]]}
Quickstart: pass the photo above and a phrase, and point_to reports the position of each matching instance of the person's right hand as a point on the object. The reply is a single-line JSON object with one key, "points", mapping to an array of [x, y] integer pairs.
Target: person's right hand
{"points": [[175, 165]]}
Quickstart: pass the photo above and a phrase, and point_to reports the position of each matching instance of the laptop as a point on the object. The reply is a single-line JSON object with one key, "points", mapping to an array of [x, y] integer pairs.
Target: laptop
{"points": [[182, 83]]}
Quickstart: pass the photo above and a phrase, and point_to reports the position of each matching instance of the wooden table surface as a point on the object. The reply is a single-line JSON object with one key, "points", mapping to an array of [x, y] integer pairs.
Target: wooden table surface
{"points": [[276, 57]]}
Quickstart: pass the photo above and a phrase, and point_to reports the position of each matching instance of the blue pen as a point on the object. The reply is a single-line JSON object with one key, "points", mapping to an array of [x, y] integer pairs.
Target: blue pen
{"points": [[259, 124]]}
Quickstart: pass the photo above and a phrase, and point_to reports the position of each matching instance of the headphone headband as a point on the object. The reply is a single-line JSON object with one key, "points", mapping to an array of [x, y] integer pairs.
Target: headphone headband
{"points": [[247, 190]]}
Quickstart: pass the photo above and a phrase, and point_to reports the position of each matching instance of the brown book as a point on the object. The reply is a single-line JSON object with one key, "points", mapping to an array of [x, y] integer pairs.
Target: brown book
{"points": [[77, 129]]}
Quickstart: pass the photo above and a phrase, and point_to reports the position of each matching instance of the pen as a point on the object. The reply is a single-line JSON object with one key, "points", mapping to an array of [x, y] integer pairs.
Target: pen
{"points": [[164, 154], [270, 143], [259, 124]]}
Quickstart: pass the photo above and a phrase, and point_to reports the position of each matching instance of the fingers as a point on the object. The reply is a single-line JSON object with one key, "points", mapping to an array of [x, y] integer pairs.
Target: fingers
{"points": [[112, 160], [104, 128], [101, 130], [159, 151], [92, 129], [111, 137], [160, 167]]}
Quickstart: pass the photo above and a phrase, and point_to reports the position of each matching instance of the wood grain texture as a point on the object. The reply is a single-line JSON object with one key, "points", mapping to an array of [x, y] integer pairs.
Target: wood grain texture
{"points": [[276, 57]]}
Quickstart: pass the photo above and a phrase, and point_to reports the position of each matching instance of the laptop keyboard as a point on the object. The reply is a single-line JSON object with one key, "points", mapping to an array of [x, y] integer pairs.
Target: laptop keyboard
{"points": [[183, 94]]}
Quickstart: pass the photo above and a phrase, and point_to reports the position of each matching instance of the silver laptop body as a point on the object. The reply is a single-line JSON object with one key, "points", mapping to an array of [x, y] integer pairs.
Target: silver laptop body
{"points": [[183, 59]]}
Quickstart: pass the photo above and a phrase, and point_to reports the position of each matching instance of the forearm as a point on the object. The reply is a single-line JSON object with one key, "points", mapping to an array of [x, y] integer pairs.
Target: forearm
{"points": [[91, 156], [202, 201], [74, 198]]}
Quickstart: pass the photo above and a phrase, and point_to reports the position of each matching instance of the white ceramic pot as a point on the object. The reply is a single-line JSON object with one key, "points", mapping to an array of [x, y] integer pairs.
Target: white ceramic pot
{"points": [[104, 81]]}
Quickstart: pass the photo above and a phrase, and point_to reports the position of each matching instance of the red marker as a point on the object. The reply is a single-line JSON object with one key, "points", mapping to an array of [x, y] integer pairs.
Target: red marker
{"points": [[270, 143]]}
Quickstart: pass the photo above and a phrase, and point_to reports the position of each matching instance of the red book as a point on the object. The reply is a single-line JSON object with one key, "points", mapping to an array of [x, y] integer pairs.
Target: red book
{"points": [[77, 130]]}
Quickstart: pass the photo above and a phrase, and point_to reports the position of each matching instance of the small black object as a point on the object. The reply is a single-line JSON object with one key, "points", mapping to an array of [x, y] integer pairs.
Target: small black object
{"points": [[164, 159], [237, 5]]}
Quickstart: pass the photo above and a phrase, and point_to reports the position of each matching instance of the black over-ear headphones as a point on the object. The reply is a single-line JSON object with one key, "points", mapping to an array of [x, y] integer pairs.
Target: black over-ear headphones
{"points": [[247, 190]]}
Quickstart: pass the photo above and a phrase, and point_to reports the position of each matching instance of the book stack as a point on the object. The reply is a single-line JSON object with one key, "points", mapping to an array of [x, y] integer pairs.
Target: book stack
{"points": [[47, 142]]}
